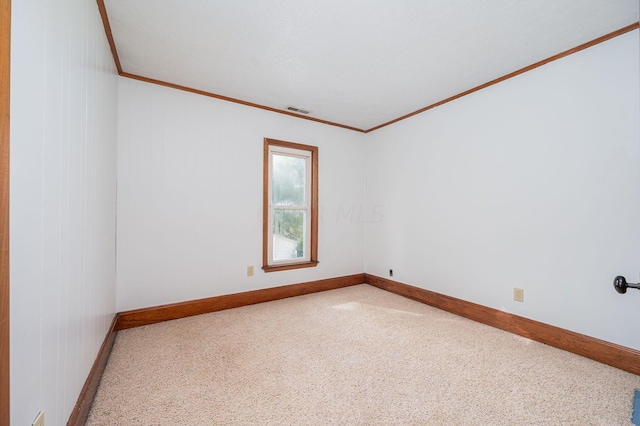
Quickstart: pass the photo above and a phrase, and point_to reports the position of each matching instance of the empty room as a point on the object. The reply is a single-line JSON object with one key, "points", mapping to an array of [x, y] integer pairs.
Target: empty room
{"points": [[304, 213]]}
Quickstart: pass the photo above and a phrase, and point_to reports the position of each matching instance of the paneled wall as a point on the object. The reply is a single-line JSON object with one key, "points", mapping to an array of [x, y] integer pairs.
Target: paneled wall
{"points": [[531, 183], [63, 176], [190, 196]]}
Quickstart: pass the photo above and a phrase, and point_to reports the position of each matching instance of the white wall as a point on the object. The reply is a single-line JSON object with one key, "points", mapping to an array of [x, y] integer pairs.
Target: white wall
{"points": [[190, 196], [531, 183], [63, 142]]}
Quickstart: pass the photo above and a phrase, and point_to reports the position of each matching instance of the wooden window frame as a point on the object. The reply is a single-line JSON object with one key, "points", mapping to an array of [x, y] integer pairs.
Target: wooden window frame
{"points": [[313, 231]]}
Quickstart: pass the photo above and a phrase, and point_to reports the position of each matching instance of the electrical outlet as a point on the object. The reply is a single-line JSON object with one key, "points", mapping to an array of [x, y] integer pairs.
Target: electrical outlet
{"points": [[249, 271], [518, 295], [390, 272], [39, 421]]}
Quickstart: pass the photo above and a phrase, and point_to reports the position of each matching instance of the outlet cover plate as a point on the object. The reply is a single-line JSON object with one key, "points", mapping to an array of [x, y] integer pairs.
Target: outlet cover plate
{"points": [[518, 295]]}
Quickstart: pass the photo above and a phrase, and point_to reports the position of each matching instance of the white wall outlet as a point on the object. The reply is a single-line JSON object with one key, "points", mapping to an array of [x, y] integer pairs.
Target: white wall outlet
{"points": [[518, 295], [39, 421], [249, 271]]}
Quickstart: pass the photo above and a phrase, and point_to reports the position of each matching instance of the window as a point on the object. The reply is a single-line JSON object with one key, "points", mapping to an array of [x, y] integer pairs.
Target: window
{"points": [[290, 206]]}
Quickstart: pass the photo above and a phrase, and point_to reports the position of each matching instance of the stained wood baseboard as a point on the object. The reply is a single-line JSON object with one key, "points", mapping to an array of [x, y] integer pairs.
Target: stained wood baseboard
{"points": [[139, 317], [83, 404], [146, 316], [617, 356]]}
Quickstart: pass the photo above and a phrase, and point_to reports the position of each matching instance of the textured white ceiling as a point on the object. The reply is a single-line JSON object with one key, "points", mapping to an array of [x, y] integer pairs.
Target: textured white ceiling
{"points": [[359, 63]]}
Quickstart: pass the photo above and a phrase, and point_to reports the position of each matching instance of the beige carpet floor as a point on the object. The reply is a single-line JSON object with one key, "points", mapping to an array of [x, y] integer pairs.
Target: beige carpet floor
{"points": [[353, 356]]}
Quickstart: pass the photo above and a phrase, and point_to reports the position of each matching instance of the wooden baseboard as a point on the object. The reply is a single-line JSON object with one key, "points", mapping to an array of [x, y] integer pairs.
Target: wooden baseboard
{"points": [[621, 357], [146, 316], [617, 356], [83, 404]]}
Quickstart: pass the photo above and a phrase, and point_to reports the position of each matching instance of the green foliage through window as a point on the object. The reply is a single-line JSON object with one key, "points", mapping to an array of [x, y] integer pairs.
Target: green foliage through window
{"points": [[289, 224], [288, 180]]}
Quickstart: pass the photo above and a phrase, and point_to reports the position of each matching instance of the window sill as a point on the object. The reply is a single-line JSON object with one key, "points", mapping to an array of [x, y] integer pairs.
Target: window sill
{"points": [[284, 267]]}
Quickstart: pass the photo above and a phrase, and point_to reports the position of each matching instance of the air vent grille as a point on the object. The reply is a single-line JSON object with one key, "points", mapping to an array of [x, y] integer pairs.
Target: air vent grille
{"points": [[298, 110]]}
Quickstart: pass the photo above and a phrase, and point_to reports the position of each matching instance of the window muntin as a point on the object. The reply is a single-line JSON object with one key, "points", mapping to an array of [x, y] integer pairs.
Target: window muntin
{"points": [[290, 206]]}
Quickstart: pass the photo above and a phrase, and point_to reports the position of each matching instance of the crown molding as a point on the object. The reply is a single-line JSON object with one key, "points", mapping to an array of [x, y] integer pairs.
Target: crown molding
{"points": [[107, 29], [515, 73]]}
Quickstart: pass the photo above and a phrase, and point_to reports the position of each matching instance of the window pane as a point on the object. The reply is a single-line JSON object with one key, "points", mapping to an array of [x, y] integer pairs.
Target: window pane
{"points": [[288, 179], [288, 234]]}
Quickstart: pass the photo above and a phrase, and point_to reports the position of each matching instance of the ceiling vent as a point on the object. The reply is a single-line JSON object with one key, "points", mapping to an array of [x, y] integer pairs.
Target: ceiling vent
{"points": [[298, 110]]}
